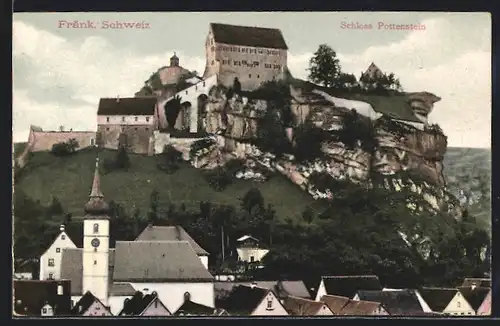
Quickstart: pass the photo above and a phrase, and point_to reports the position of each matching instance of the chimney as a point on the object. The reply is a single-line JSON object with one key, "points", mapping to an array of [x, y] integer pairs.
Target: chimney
{"points": [[253, 285], [62, 228], [117, 98]]}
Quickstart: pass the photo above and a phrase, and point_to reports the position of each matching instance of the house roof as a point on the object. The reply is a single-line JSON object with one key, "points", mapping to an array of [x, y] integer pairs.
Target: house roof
{"points": [[246, 237], [335, 302], [169, 233], [127, 106], [395, 302], [192, 308], [474, 296], [302, 307], [72, 267], [84, 303], [158, 261], [121, 289], [359, 308], [281, 289], [137, 304], [242, 299], [31, 295], [437, 298], [480, 282], [348, 286], [249, 36]]}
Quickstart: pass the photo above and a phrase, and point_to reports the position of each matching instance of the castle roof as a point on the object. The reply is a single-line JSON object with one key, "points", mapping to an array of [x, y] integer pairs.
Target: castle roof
{"points": [[248, 36], [127, 106], [170, 233], [96, 207]]}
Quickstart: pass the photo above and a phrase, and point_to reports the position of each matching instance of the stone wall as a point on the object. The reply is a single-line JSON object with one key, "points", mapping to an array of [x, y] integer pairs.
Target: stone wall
{"points": [[137, 137], [39, 140]]}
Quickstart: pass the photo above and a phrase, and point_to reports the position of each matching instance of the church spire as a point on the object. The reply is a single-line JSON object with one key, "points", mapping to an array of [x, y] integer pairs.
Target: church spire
{"points": [[96, 204]]}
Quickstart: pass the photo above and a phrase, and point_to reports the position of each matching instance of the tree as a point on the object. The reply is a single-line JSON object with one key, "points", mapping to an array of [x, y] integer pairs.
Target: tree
{"points": [[172, 110], [347, 81], [324, 67], [122, 161], [236, 85], [55, 207], [169, 159], [153, 206], [308, 215], [253, 199]]}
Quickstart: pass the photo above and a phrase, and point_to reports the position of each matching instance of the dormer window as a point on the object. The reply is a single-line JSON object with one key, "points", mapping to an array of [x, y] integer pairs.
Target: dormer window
{"points": [[96, 228]]}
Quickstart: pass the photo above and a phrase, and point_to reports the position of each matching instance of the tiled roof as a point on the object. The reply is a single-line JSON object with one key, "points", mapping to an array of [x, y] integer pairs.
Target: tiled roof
{"points": [[280, 288], [474, 296], [127, 106], [437, 298], [31, 295], [396, 302], [480, 282], [335, 302], [84, 304], [136, 305], [249, 36], [303, 307], [169, 233], [359, 308], [348, 286], [121, 289], [242, 300], [192, 308], [158, 261]]}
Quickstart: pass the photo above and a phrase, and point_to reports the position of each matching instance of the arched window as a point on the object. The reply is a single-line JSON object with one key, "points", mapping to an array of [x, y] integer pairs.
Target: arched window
{"points": [[96, 228]]}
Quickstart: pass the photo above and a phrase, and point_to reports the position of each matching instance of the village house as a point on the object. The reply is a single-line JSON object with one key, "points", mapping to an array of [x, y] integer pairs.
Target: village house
{"points": [[44, 298], [50, 261], [335, 302], [144, 305], [344, 306], [127, 122], [252, 54], [90, 306], [251, 301], [305, 307], [439, 300], [485, 307], [346, 286], [190, 308], [171, 268], [249, 250], [395, 302], [474, 297], [476, 282]]}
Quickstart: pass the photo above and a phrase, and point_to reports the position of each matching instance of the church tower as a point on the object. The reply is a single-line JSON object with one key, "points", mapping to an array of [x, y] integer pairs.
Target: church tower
{"points": [[96, 242], [174, 61]]}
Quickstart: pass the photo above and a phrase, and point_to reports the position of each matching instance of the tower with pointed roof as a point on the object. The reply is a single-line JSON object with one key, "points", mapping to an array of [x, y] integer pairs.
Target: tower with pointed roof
{"points": [[174, 61], [96, 225]]}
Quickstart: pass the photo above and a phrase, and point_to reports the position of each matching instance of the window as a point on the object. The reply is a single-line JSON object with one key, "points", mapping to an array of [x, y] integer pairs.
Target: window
{"points": [[244, 62], [249, 75], [147, 129], [258, 76], [135, 128], [44, 310], [252, 259], [269, 304], [203, 84], [186, 92], [147, 119], [92, 142], [51, 262], [458, 304], [96, 228], [95, 262], [107, 119], [63, 237], [58, 250], [136, 118], [107, 129], [123, 119], [51, 276], [156, 303]]}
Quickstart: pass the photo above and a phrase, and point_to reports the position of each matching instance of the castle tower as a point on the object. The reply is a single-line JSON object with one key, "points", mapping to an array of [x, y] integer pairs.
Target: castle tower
{"points": [[174, 61], [96, 242]]}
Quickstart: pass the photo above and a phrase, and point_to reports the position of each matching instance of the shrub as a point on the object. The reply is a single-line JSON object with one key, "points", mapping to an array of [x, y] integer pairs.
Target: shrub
{"points": [[65, 148], [218, 178], [169, 159]]}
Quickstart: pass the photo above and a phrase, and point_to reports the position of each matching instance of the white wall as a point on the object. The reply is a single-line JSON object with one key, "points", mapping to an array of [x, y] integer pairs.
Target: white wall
{"points": [[115, 303], [172, 294], [125, 120], [62, 242], [75, 299], [204, 261], [276, 309], [321, 291], [459, 306], [245, 254]]}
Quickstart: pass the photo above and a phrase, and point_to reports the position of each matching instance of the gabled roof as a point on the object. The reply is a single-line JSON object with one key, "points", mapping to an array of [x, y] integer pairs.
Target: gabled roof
{"points": [[169, 233], [158, 261], [242, 299], [474, 296], [335, 302], [192, 308], [84, 304], [348, 286], [121, 289], [303, 307], [281, 289], [72, 267], [437, 298], [478, 282], [360, 308], [397, 302], [127, 106], [136, 305], [246, 237], [31, 295], [248, 36]]}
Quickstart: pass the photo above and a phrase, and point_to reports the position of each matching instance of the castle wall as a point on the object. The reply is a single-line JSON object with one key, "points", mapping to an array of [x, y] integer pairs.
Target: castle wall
{"points": [[137, 137], [172, 75], [44, 140]]}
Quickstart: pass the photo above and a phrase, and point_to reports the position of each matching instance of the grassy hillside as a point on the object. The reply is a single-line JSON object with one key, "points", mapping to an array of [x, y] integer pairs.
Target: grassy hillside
{"points": [[70, 179]]}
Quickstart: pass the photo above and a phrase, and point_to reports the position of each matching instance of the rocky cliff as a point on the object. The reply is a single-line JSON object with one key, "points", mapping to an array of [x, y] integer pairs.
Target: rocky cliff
{"points": [[404, 153]]}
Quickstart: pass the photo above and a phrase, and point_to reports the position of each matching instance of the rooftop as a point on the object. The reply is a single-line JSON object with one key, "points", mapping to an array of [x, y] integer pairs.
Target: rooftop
{"points": [[127, 106], [249, 36]]}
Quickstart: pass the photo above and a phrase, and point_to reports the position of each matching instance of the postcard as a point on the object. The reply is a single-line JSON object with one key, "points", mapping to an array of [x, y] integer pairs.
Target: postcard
{"points": [[251, 164]]}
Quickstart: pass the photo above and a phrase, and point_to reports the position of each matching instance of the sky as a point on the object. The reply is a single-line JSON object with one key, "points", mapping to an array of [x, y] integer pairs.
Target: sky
{"points": [[60, 72]]}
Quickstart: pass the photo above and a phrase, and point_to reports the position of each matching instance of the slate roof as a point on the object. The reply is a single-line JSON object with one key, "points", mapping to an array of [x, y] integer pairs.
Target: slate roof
{"points": [[480, 282], [335, 302], [359, 308], [127, 106], [474, 296], [121, 289], [242, 300], [158, 261], [84, 304], [248, 36], [170, 233], [31, 295], [72, 267], [348, 286], [284, 289], [136, 305], [437, 298], [192, 308], [395, 302], [302, 307]]}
